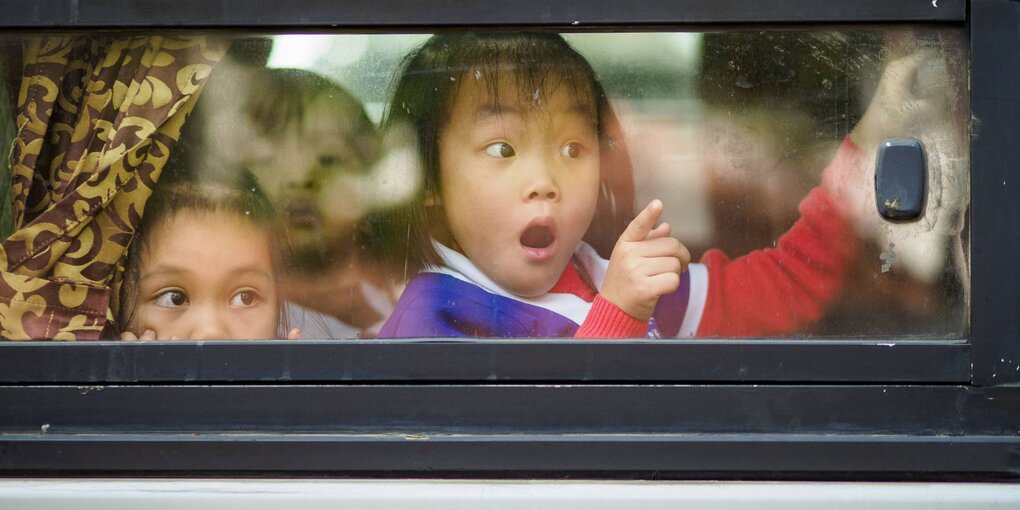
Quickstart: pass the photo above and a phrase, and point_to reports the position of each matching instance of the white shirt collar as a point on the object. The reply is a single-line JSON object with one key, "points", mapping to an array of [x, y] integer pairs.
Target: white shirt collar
{"points": [[568, 305]]}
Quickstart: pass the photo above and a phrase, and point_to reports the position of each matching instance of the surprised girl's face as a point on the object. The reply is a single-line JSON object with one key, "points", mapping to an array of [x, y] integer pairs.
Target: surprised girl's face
{"points": [[207, 275], [519, 180]]}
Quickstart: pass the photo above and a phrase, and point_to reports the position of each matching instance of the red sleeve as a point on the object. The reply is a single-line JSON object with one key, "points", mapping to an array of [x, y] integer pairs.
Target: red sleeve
{"points": [[606, 320], [780, 290]]}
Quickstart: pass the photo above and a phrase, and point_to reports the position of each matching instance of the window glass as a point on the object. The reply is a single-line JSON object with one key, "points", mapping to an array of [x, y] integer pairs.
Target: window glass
{"points": [[497, 185]]}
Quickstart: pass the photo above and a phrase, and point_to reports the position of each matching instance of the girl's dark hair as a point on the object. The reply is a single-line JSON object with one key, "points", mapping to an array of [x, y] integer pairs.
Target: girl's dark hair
{"points": [[423, 98], [275, 99], [283, 96], [233, 191]]}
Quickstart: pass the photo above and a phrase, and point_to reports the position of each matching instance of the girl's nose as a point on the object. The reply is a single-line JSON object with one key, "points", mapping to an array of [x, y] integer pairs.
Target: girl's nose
{"points": [[310, 184], [209, 324], [546, 192], [542, 185]]}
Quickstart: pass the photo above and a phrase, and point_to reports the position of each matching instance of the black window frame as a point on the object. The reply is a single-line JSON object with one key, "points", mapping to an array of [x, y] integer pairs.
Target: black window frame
{"points": [[763, 409]]}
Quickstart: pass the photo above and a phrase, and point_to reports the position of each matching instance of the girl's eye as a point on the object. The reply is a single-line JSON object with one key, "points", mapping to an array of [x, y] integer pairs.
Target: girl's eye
{"points": [[500, 150], [244, 298], [329, 160], [172, 299], [571, 150]]}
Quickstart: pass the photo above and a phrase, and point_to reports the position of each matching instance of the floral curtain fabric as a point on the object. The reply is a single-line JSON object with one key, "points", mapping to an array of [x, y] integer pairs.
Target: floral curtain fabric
{"points": [[96, 120]]}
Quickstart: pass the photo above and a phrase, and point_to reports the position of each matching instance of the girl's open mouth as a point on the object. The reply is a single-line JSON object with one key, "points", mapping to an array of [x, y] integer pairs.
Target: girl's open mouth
{"points": [[538, 241], [301, 214]]}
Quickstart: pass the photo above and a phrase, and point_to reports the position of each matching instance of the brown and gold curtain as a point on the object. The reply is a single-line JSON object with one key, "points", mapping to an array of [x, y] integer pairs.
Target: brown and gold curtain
{"points": [[96, 119]]}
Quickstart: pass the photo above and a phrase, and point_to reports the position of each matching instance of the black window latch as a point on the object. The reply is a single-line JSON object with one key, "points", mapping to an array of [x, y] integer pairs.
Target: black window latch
{"points": [[901, 179]]}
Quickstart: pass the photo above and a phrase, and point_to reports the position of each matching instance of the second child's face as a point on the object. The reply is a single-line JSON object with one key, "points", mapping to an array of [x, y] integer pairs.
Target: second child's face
{"points": [[519, 181], [312, 162], [207, 276]]}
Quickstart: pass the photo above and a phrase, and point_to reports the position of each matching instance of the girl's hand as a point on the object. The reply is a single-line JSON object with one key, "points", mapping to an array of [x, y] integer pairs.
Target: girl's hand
{"points": [[293, 334], [146, 335], [646, 263], [911, 101], [910, 94]]}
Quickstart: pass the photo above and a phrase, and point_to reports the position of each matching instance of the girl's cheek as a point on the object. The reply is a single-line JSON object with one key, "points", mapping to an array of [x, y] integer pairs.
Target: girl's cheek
{"points": [[150, 316], [259, 321], [258, 313]]}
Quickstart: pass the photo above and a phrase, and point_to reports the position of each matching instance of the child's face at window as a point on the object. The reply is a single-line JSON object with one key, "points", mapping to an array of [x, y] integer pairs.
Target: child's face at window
{"points": [[519, 181], [318, 170], [207, 275]]}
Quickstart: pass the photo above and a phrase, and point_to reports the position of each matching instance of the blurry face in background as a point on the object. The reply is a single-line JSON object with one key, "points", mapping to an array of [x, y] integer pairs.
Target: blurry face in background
{"points": [[313, 149], [318, 169]]}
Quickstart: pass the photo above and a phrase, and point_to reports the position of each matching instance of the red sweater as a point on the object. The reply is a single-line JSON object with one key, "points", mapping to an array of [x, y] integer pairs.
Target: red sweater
{"points": [[766, 292]]}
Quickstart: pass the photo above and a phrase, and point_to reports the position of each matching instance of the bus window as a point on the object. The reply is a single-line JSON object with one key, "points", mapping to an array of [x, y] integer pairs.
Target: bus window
{"points": [[675, 185]]}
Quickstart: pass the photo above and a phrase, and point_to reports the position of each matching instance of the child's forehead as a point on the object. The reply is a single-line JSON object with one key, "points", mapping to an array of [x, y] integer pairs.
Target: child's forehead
{"points": [[230, 228], [522, 92]]}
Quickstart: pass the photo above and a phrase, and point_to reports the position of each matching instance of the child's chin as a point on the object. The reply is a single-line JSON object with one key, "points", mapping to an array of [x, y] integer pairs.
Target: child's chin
{"points": [[531, 289]]}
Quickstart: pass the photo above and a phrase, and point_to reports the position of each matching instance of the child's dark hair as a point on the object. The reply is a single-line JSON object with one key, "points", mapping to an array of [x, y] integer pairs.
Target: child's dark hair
{"points": [[536, 63], [273, 100], [283, 96], [234, 191]]}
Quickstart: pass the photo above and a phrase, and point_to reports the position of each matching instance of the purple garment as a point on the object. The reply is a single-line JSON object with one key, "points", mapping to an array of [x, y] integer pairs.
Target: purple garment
{"points": [[436, 305]]}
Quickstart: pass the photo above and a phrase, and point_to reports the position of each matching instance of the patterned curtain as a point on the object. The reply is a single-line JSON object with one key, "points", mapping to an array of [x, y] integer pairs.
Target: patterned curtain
{"points": [[96, 119]]}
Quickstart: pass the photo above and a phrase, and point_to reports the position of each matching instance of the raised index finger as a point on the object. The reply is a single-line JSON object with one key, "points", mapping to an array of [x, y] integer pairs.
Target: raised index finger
{"points": [[644, 222]]}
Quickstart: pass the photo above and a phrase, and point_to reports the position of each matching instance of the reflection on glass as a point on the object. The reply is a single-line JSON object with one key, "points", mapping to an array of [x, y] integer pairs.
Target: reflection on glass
{"points": [[535, 185]]}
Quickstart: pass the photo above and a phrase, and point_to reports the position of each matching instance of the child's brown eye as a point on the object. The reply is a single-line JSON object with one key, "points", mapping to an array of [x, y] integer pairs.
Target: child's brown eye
{"points": [[172, 299], [328, 160], [244, 298], [500, 150], [571, 150]]}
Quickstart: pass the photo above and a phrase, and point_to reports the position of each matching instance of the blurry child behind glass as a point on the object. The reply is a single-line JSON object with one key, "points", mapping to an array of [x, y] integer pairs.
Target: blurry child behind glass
{"points": [[315, 151]]}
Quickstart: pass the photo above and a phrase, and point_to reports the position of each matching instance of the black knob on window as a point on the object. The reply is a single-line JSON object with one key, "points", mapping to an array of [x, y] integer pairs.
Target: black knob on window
{"points": [[901, 180]]}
